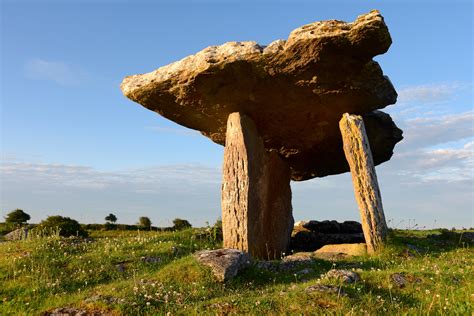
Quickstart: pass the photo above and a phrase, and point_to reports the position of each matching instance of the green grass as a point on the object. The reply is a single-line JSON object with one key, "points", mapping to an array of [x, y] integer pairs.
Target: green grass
{"points": [[108, 273]]}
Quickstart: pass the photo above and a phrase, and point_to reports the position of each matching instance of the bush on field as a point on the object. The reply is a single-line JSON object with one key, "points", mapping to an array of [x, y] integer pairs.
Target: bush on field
{"points": [[66, 226], [144, 222], [17, 217], [180, 224]]}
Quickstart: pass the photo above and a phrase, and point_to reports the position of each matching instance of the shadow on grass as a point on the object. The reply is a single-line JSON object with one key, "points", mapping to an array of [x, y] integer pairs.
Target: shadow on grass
{"points": [[399, 245], [421, 243]]}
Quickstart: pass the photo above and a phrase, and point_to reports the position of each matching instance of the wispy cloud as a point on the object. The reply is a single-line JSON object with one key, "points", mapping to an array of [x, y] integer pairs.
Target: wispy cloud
{"points": [[161, 192], [423, 132], [151, 178], [59, 72], [431, 99], [429, 93]]}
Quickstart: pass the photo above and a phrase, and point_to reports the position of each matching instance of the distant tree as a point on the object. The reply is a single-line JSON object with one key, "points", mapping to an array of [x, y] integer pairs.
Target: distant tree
{"points": [[17, 217], [144, 222], [180, 224], [111, 218], [67, 226]]}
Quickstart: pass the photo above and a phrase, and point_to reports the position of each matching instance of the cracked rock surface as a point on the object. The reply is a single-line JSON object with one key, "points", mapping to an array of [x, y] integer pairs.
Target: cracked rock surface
{"points": [[295, 91]]}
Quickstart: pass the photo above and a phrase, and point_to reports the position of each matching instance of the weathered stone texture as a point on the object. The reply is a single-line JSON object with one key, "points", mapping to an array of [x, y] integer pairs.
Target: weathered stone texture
{"points": [[224, 263], [349, 250], [294, 90], [256, 194], [364, 178], [17, 234]]}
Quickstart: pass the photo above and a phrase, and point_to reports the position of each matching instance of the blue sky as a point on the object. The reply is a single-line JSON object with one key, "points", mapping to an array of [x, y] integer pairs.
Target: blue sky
{"points": [[71, 144]]}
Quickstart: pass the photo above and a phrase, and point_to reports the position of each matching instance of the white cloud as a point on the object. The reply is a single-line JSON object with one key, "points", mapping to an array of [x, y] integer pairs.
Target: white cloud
{"points": [[424, 165], [59, 72], [162, 193], [423, 132], [430, 93], [152, 178]]}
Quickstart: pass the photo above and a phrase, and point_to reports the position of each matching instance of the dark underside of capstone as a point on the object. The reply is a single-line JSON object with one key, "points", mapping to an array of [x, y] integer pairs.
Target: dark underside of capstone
{"points": [[295, 91]]}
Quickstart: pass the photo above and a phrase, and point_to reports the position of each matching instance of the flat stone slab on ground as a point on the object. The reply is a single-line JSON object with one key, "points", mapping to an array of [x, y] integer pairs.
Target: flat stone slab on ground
{"points": [[312, 235], [345, 249], [224, 263]]}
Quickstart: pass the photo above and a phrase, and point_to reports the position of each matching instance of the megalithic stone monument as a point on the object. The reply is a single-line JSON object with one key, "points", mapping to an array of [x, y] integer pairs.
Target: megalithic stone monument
{"points": [[256, 194], [364, 179], [276, 109]]}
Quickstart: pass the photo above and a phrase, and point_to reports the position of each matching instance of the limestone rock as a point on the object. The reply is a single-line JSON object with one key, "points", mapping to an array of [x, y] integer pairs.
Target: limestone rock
{"points": [[256, 195], [73, 311], [345, 276], [295, 91], [311, 241], [333, 227], [399, 280], [224, 263], [17, 234], [345, 249], [296, 260], [312, 235], [364, 179]]}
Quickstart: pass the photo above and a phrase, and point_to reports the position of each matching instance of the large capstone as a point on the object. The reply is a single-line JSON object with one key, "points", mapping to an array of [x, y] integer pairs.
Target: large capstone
{"points": [[295, 91]]}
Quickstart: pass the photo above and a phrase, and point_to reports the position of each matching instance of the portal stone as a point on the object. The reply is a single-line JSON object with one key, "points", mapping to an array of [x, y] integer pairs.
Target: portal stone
{"points": [[364, 179], [256, 194]]}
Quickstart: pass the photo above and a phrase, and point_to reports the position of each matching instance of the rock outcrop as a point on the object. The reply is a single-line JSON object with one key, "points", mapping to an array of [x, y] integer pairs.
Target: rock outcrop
{"points": [[346, 276], [295, 91], [224, 263], [17, 234]]}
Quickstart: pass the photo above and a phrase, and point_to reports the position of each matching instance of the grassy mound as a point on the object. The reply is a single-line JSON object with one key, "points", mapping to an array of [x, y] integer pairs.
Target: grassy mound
{"points": [[134, 272]]}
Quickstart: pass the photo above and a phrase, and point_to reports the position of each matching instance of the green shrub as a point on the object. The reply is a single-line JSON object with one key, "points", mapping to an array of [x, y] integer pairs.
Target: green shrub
{"points": [[180, 224], [144, 222], [67, 226], [17, 217], [111, 218]]}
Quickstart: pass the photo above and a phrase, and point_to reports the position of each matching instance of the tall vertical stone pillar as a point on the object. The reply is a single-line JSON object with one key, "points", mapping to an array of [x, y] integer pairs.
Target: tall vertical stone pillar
{"points": [[256, 195], [366, 188]]}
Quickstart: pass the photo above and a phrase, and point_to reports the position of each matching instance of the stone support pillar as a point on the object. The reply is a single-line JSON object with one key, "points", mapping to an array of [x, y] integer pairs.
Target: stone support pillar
{"points": [[256, 195], [366, 188]]}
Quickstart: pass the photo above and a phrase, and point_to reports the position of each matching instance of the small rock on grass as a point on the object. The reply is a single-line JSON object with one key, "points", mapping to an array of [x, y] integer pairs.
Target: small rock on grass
{"points": [[346, 276], [326, 289], [224, 263], [305, 271], [402, 279], [296, 260], [399, 280], [72, 311]]}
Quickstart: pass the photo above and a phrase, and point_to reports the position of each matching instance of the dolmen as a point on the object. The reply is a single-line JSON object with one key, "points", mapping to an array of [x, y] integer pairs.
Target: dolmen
{"points": [[295, 109]]}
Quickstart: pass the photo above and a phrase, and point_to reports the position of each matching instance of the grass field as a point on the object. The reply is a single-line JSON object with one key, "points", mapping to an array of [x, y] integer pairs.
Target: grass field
{"points": [[146, 273]]}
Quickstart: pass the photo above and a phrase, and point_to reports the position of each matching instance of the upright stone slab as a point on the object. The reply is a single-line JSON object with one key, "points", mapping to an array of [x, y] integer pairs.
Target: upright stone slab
{"points": [[256, 194], [366, 188]]}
